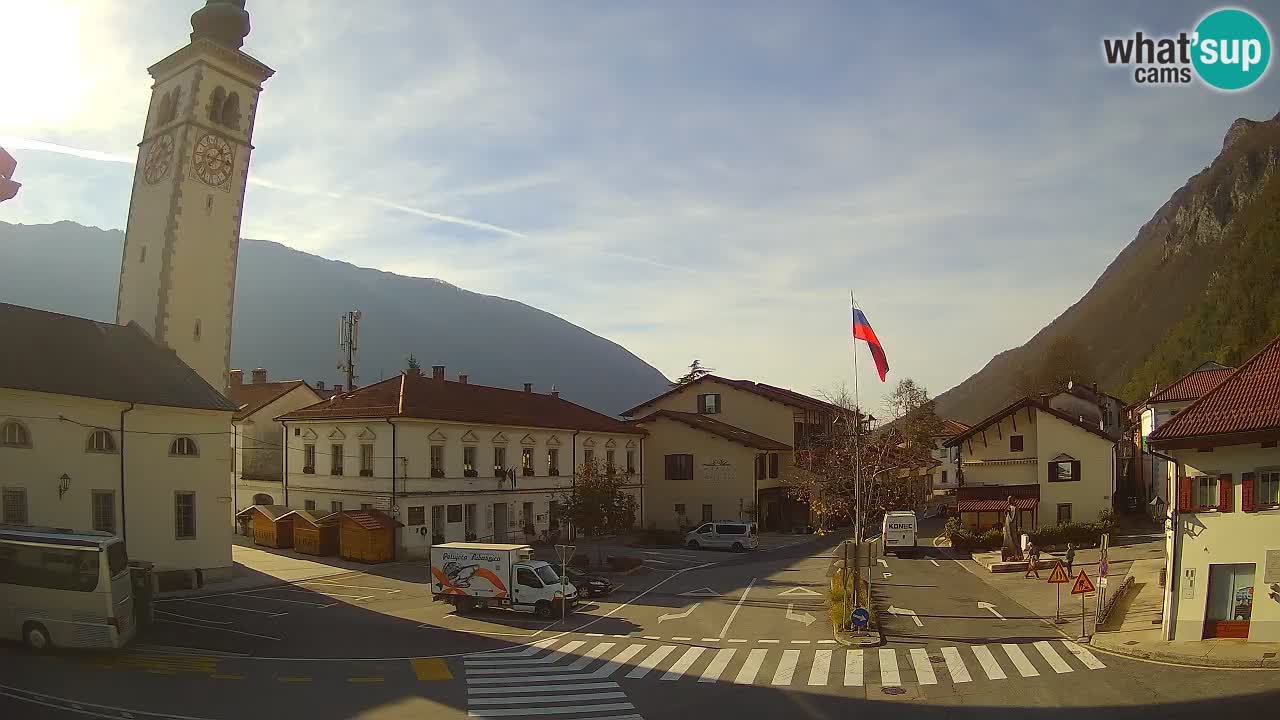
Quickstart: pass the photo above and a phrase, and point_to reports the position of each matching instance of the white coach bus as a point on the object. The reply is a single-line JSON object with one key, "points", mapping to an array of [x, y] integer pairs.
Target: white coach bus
{"points": [[64, 588]]}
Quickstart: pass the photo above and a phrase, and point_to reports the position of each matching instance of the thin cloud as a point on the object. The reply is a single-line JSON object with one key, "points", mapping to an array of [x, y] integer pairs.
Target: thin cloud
{"points": [[19, 143]]}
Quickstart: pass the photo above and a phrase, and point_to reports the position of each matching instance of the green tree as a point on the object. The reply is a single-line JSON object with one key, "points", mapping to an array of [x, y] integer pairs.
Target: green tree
{"points": [[695, 371], [413, 363], [1065, 360], [597, 503]]}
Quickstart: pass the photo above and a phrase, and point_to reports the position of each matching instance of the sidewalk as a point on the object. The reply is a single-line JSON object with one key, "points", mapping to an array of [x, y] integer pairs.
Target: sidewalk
{"points": [[256, 568]]}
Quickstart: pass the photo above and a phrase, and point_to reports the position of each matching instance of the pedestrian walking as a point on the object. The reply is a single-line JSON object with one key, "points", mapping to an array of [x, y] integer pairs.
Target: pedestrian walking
{"points": [[1033, 554], [1071, 556]]}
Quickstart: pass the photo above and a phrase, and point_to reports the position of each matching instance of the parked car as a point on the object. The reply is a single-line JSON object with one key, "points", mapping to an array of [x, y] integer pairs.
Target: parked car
{"points": [[735, 536], [589, 584]]}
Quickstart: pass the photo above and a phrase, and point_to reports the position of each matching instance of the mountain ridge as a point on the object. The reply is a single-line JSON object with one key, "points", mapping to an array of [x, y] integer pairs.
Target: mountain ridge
{"points": [[288, 303]]}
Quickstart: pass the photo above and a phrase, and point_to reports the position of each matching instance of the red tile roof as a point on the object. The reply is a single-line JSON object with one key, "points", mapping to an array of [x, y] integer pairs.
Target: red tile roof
{"points": [[249, 398], [996, 505], [951, 428], [772, 392], [1191, 386], [715, 427], [418, 396], [995, 498], [1247, 401], [1041, 406]]}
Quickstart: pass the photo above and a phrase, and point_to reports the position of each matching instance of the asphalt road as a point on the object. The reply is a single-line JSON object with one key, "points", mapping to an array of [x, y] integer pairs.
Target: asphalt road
{"points": [[715, 634]]}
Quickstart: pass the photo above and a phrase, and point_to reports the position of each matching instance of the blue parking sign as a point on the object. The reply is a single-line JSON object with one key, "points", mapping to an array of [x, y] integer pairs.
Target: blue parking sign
{"points": [[859, 617]]}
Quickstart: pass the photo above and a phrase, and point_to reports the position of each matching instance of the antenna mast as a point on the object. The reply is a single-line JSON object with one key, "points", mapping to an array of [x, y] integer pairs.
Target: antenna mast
{"points": [[348, 343]]}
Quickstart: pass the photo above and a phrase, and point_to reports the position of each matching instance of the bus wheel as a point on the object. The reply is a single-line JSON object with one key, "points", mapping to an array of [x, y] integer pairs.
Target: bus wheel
{"points": [[36, 637]]}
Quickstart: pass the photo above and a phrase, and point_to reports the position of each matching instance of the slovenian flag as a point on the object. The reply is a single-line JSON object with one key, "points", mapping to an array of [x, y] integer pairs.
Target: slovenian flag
{"points": [[862, 331]]}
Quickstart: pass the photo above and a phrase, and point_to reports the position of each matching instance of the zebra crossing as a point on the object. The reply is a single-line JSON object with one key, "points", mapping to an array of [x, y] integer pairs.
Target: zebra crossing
{"points": [[557, 677]]}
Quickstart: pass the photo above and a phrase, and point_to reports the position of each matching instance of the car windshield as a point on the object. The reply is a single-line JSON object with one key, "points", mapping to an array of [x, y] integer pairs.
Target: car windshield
{"points": [[548, 575]]}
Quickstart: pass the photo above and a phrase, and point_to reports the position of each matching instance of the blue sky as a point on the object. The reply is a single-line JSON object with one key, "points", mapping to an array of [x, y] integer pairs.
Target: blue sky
{"points": [[688, 179]]}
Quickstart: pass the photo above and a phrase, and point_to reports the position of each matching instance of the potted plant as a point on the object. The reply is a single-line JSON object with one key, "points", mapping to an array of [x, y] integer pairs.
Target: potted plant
{"points": [[437, 472], [470, 472]]}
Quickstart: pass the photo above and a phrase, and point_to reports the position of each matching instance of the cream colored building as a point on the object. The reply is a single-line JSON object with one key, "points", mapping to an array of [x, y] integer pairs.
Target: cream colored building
{"points": [[257, 442], [1223, 529], [101, 428], [726, 447], [945, 477], [1058, 468], [450, 459]]}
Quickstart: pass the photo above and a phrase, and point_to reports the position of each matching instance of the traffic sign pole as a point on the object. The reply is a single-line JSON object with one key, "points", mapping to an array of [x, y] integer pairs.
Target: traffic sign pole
{"points": [[1056, 578]]}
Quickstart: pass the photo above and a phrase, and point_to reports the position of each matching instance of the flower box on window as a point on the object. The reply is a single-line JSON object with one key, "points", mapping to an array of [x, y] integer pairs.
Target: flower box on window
{"points": [[553, 472], [309, 470], [366, 473], [499, 472], [528, 472], [337, 471], [437, 473], [470, 473]]}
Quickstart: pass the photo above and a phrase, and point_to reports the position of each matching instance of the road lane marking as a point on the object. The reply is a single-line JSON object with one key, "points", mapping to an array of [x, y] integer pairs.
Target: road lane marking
{"points": [[737, 641], [717, 665], [924, 671], [544, 660], [188, 617], [988, 662], [747, 673], [1020, 660], [1083, 655], [853, 667], [768, 641], [680, 615], [226, 676], [799, 642], [821, 666], [272, 613], [685, 662], [955, 665], [365, 680], [526, 651], [506, 690], [388, 591], [618, 661], [285, 600], [786, 668], [725, 630], [826, 642], [652, 637], [709, 640], [935, 562], [615, 695], [431, 669], [564, 710], [889, 668], [294, 679], [682, 639], [649, 663], [1052, 657], [219, 629]]}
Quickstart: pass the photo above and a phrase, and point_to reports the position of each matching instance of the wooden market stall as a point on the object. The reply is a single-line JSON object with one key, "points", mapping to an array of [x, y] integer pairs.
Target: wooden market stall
{"points": [[271, 525], [367, 536], [315, 533]]}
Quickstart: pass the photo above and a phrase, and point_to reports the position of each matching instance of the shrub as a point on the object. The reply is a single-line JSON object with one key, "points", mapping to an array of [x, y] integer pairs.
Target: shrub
{"points": [[962, 538]]}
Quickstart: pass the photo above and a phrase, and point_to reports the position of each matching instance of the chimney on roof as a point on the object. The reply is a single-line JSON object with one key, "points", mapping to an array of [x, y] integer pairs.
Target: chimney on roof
{"points": [[555, 394], [259, 375], [437, 372], [462, 379], [337, 388], [528, 387], [237, 377], [319, 384]]}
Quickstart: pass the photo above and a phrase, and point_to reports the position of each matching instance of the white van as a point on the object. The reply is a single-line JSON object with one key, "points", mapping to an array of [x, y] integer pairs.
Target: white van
{"points": [[735, 536], [899, 531]]}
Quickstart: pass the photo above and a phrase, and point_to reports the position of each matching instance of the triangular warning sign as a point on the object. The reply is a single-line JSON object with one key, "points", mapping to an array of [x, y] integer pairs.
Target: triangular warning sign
{"points": [[797, 590], [1083, 584], [701, 592], [1059, 574]]}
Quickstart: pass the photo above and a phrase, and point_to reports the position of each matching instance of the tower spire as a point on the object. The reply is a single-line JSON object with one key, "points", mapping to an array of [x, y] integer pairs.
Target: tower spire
{"points": [[225, 22]]}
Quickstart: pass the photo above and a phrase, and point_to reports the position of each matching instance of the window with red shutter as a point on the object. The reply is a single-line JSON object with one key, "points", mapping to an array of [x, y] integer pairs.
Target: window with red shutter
{"points": [[1184, 495], [1225, 495], [1247, 496]]}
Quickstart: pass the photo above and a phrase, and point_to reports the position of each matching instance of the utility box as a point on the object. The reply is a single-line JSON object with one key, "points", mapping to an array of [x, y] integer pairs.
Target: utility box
{"points": [[143, 579]]}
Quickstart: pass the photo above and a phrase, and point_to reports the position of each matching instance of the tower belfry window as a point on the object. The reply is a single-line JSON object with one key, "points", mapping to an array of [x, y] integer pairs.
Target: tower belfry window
{"points": [[231, 111], [196, 333], [216, 100]]}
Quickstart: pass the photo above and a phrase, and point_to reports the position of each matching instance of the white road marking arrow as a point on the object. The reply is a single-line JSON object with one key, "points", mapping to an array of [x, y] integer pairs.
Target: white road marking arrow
{"points": [[701, 592], [803, 617], [888, 575], [799, 591], [935, 562], [882, 562], [903, 611], [677, 616], [992, 608]]}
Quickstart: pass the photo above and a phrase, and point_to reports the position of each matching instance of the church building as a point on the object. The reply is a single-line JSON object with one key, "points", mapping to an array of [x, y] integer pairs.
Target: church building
{"points": [[126, 427]]}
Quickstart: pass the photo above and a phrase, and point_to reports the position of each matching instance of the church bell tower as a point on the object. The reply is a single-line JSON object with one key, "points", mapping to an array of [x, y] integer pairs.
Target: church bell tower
{"points": [[178, 272]]}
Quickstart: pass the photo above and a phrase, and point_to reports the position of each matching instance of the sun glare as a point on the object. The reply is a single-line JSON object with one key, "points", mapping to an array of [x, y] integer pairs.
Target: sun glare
{"points": [[47, 81]]}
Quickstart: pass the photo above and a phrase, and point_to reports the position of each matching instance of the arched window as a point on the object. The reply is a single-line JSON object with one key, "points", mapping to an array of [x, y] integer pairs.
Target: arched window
{"points": [[216, 101], [164, 111], [176, 106], [14, 434], [263, 499], [183, 446], [231, 111], [101, 441]]}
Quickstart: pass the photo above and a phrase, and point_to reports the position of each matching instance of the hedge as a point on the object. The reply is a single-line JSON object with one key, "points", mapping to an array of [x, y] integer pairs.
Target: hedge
{"points": [[1079, 533]]}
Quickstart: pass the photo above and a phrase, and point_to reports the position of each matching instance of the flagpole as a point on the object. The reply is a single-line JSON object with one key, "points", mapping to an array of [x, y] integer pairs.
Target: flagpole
{"points": [[857, 454]]}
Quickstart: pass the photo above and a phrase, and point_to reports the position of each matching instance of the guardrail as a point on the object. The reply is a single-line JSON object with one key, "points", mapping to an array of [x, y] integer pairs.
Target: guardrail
{"points": [[1105, 610]]}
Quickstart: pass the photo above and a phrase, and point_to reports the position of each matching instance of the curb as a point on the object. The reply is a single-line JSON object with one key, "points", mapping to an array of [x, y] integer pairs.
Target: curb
{"points": [[1181, 659], [869, 641]]}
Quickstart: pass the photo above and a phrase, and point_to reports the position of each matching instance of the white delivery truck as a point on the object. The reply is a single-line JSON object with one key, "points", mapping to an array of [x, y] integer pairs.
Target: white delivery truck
{"points": [[899, 532], [480, 575]]}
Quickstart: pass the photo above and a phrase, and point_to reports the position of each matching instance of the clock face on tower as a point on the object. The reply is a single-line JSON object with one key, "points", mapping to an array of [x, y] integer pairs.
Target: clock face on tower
{"points": [[159, 157], [212, 160]]}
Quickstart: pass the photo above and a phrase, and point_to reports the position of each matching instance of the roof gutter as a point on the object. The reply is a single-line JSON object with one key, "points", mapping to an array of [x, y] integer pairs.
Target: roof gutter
{"points": [[124, 517], [393, 461]]}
